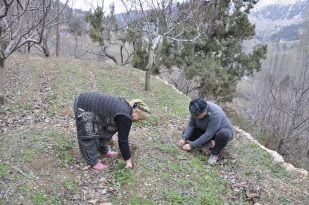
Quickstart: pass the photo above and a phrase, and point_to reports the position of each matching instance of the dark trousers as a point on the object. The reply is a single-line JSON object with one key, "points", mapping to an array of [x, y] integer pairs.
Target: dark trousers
{"points": [[221, 138], [91, 140]]}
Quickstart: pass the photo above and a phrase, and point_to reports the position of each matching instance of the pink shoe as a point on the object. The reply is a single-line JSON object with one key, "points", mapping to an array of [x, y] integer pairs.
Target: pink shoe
{"points": [[111, 154], [100, 167]]}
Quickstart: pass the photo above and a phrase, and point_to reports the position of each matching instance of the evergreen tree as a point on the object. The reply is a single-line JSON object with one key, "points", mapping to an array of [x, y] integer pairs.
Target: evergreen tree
{"points": [[104, 30], [216, 60]]}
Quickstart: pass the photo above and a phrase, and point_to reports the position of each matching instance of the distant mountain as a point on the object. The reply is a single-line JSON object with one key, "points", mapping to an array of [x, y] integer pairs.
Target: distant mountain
{"points": [[279, 22], [281, 11]]}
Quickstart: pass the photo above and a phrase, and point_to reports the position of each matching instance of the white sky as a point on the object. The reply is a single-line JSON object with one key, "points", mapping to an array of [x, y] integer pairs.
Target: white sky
{"points": [[91, 4], [262, 3], [87, 4]]}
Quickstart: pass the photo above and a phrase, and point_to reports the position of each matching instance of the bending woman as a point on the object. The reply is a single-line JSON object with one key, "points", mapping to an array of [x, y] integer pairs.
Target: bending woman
{"points": [[98, 117]]}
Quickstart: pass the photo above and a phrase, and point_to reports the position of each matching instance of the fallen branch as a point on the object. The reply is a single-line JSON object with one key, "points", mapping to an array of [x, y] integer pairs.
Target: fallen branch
{"points": [[18, 170]]}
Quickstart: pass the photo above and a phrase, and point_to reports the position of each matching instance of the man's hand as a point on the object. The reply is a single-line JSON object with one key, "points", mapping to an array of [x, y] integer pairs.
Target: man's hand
{"points": [[186, 147], [181, 143], [129, 164]]}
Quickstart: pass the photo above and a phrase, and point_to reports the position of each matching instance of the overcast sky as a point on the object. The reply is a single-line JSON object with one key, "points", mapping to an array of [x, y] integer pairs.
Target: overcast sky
{"points": [[87, 4]]}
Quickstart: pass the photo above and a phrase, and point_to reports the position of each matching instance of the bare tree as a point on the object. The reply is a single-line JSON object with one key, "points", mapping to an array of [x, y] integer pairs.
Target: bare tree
{"points": [[21, 22], [159, 19], [57, 28], [280, 101], [111, 36]]}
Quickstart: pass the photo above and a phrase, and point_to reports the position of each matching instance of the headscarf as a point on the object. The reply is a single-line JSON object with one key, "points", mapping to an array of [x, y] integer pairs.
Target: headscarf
{"points": [[141, 108]]}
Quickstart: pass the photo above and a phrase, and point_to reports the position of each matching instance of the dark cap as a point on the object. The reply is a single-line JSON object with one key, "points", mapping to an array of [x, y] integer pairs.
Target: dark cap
{"points": [[197, 105]]}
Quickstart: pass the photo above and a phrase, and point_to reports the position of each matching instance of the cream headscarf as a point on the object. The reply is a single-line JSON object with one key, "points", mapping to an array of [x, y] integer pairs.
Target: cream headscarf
{"points": [[140, 107]]}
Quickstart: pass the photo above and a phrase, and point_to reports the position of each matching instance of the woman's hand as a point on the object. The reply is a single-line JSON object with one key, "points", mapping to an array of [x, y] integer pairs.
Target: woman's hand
{"points": [[129, 164], [181, 143], [186, 147]]}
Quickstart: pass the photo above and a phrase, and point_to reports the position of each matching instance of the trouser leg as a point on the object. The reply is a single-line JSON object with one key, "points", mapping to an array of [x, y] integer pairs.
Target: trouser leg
{"points": [[221, 139], [89, 138], [196, 134], [103, 147], [89, 150]]}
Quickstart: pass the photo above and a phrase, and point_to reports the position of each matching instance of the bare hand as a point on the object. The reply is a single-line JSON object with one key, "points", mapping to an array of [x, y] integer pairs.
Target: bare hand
{"points": [[129, 164], [181, 143], [186, 147]]}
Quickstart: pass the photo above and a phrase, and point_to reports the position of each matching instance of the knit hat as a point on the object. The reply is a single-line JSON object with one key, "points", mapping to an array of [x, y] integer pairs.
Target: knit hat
{"points": [[197, 106], [141, 107]]}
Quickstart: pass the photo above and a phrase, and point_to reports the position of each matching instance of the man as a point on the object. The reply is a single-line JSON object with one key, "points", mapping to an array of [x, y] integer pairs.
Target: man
{"points": [[98, 117], [208, 122]]}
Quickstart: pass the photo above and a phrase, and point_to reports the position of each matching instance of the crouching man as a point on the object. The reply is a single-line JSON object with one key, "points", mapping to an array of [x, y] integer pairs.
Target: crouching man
{"points": [[98, 117], [208, 123]]}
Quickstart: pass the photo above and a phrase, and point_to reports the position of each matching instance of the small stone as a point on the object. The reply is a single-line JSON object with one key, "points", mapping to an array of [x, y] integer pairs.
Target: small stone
{"points": [[93, 201], [86, 167]]}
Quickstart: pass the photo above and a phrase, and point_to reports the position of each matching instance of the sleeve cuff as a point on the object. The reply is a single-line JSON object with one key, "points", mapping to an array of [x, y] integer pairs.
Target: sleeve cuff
{"points": [[193, 146], [128, 156]]}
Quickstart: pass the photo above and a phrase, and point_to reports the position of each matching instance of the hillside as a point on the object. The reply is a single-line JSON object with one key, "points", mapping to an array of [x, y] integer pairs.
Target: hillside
{"points": [[40, 161], [278, 22]]}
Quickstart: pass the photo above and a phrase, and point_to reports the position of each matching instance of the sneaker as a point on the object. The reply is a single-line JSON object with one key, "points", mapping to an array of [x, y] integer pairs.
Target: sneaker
{"points": [[213, 159], [100, 167], [111, 154]]}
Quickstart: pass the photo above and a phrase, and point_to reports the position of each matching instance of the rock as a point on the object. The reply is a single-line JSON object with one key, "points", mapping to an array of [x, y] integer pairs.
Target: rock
{"points": [[86, 167], [93, 201], [103, 179]]}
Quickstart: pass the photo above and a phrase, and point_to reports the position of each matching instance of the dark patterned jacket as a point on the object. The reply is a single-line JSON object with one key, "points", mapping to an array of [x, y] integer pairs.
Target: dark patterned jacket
{"points": [[100, 115]]}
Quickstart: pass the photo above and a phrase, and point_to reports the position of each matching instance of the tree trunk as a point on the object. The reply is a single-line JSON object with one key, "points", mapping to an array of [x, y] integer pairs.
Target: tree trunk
{"points": [[76, 47], [121, 54], [29, 47], [104, 50], [148, 67], [281, 147], [57, 32], [2, 81], [154, 44], [45, 46], [46, 52]]}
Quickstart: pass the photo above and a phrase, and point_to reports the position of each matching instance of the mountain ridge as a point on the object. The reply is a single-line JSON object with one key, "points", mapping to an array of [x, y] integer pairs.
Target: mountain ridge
{"points": [[279, 22]]}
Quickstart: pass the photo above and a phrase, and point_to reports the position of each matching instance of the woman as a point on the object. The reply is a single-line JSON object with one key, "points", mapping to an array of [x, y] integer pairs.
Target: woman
{"points": [[98, 117]]}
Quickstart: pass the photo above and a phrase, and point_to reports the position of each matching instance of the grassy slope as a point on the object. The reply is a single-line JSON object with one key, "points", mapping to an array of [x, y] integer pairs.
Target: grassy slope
{"points": [[38, 158]]}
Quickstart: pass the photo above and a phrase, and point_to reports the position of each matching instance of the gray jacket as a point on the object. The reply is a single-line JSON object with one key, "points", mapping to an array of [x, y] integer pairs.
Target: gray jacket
{"points": [[215, 120]]}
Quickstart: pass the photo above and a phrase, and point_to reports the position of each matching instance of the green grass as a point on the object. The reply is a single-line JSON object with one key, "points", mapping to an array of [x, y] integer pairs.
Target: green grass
{"points": [[137, 200], [42, 198], [162, 174], [4, 170], [261, 160], [175, 198], [169, 149], [71, 185], [28, 155], [121, 175], [17, 107], [63, 147]]}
